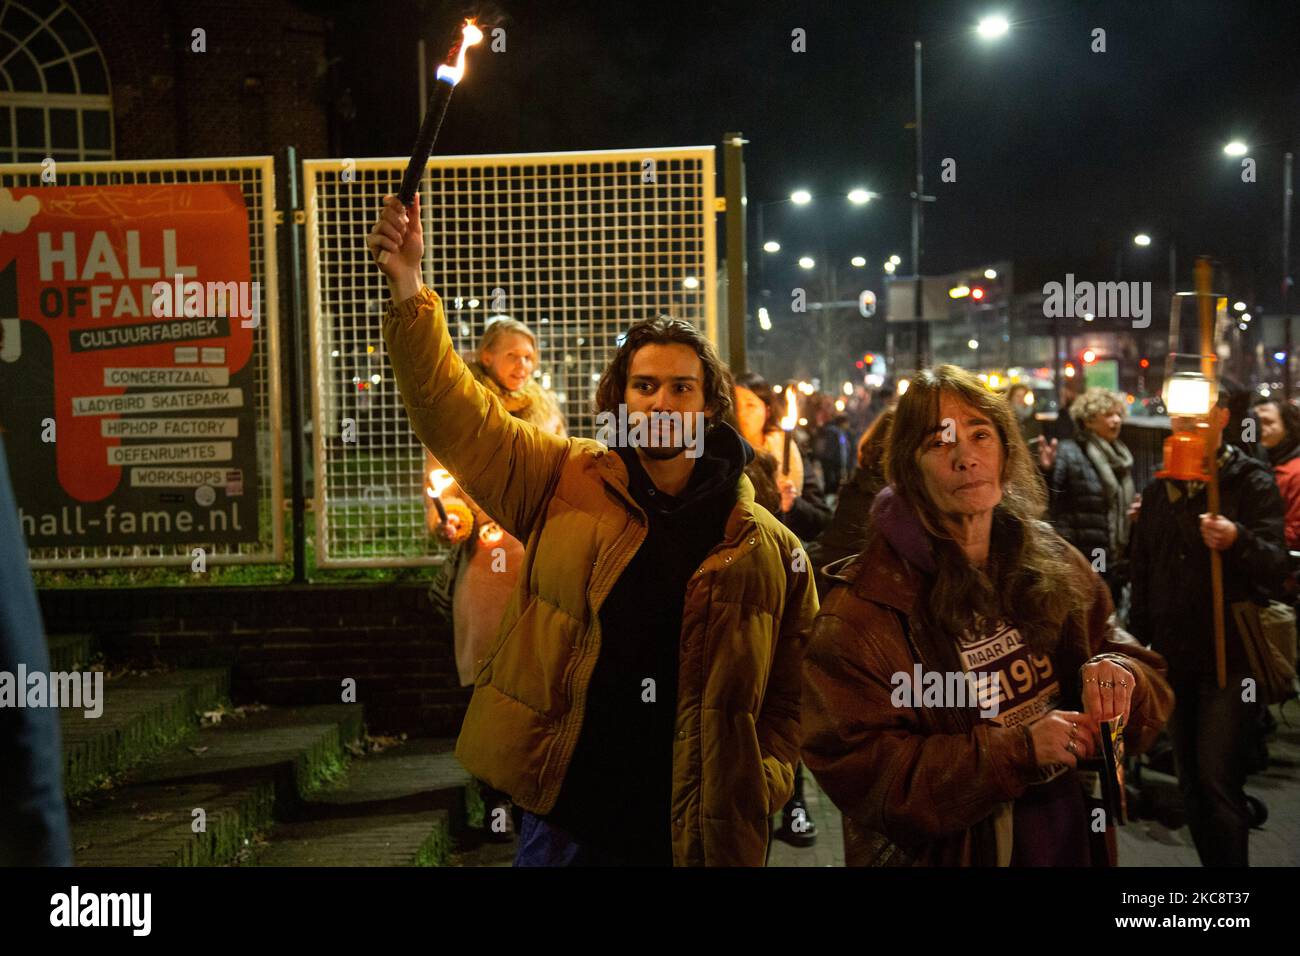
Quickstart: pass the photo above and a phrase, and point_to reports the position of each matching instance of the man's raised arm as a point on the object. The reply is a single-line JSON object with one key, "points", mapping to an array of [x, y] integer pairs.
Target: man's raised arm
{"points": [[507, 465]]}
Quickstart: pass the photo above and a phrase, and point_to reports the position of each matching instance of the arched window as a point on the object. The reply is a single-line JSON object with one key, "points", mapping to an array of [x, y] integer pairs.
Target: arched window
{"points": [[54, 98]]}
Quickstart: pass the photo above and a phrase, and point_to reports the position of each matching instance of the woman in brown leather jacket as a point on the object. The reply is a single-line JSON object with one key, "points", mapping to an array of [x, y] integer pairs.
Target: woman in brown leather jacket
{"points": [[960, 667]]}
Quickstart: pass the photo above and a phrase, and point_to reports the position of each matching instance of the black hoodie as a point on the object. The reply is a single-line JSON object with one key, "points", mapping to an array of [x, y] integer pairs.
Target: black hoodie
{"points": [[617, 791]]}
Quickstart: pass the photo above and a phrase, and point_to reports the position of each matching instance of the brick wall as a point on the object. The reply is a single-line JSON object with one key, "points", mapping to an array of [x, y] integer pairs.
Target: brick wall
{"points": [[259, 86], [287, 645]]}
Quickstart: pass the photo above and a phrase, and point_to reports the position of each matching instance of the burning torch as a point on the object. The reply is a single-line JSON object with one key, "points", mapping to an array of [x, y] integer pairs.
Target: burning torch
{"points": [[448, 76], [787, 425], [453, 510], [440, 480]]}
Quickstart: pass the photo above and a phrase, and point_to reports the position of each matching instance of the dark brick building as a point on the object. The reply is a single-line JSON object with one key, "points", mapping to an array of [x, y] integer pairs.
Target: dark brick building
{"points": [[96, 79]]}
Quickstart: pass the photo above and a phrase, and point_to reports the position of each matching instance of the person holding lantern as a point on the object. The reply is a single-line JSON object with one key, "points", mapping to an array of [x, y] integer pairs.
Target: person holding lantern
{"points": [[1213, 726], [483, 567], [640, 702], [959, 577]]}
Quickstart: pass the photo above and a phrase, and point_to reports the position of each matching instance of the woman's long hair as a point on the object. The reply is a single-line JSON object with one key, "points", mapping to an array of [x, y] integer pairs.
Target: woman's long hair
{"points": [[1030, 579]]}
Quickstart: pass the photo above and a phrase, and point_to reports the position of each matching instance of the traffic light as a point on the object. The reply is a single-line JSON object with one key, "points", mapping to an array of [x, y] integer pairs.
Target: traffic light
{"points": [[1089, 356], [977, 293]]}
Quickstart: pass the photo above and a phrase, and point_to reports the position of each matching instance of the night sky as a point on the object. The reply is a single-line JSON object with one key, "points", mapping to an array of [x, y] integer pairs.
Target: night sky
{"points": [[1062, 154]]}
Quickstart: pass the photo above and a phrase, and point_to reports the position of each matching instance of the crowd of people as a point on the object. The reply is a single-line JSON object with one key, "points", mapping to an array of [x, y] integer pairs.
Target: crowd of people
{"points": [[686, 632]]}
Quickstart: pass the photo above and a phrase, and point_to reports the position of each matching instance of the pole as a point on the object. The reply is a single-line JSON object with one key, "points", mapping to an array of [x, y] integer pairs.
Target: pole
{"points": [[1205, 307], [1286, 271], [916, 212], [295, 339], [734, 159]]}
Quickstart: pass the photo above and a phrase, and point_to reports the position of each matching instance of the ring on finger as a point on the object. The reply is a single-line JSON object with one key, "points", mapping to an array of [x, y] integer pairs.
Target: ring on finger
{"points": [[1105, 683]]}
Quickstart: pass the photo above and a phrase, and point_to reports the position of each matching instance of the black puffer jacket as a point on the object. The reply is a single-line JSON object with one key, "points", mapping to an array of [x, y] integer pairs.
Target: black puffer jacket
{"points": [[1172, 606], [1078, 502], [847, 532]]}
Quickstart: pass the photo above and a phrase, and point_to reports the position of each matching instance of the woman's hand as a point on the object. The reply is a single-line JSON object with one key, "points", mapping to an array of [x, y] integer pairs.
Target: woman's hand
{"points": [[1107, 689], [1063, 736], [1047, 453], [398, 232], [787, 494], [1135, 509], [449, 530]]}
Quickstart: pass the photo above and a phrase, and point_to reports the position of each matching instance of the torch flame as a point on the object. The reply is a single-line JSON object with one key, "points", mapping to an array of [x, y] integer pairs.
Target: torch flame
{"points": [[791, 411], [440, 480], [490, 533], [470, 35]]}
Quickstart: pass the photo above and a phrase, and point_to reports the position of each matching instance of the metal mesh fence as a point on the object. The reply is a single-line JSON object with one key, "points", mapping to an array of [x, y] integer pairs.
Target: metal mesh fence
{"points": [[576, 245], [255, 177]]}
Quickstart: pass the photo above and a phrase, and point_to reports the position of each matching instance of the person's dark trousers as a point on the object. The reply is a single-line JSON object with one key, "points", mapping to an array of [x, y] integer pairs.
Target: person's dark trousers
{"points": [[1213, 731], [33, 815], [542, 843]]}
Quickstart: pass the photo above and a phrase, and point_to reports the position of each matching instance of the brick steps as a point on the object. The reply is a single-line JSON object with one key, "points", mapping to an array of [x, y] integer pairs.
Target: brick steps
{"points": [[241, 773], [142, 715], [395, 808]]}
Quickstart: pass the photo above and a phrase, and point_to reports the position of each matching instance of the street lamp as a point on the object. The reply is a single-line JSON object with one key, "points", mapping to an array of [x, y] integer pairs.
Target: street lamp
{"points": [[860, 196], [992, 27], [807, 262], [1235, 148], [1141, 239], [771, 246], [858, 262], [801, 197]]}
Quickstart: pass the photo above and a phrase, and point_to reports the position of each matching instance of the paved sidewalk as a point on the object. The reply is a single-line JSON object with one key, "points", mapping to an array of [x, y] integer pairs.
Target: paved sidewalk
{"points": [[829, 848]]}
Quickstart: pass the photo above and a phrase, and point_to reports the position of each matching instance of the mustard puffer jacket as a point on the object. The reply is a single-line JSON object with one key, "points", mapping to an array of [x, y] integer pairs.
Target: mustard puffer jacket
{"points": [[748, 613]]}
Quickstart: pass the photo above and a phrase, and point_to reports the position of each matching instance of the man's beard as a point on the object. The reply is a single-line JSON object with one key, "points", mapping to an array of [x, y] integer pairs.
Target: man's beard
{"points": [[660, 453]]}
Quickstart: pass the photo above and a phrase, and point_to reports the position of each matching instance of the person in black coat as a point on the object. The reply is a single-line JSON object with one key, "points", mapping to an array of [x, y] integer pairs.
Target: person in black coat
{"points": [[1213, 728], [846, 534], [1090, 486]]}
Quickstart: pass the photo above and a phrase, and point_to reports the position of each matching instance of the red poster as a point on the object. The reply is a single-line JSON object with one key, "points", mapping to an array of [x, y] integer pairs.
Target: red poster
{"points": [[130, 321]]}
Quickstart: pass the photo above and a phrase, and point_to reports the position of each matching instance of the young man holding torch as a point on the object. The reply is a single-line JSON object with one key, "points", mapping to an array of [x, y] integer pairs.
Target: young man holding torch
{"points": [[1213, 727], [641, 701]]}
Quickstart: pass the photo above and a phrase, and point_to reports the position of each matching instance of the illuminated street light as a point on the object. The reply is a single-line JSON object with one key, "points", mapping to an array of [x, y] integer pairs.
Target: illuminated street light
{"points": [[973, 344], [896, 260], [1239, 306], [860, 196], [1141, 239], [990, 273], [807, 262], [992, 27], [771, 246], [858, 262], [801, 197], [764, 319], [890, 267], [1235, 148]]}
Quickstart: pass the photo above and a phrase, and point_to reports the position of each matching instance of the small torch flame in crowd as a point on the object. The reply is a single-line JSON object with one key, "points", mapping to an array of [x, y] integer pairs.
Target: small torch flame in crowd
{"points": [[491, 533], [449, 74], [439, 481], [787, 425]]}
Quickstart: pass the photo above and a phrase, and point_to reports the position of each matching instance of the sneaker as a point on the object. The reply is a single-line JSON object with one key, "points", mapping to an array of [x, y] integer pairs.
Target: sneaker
{"points": [[797, 827]]}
